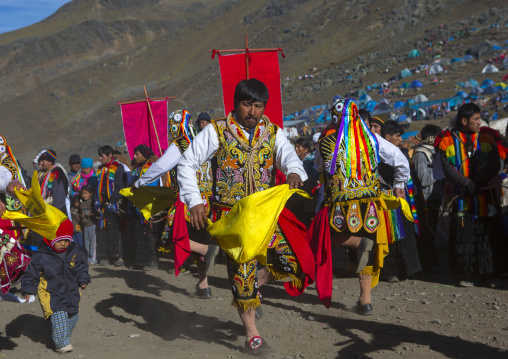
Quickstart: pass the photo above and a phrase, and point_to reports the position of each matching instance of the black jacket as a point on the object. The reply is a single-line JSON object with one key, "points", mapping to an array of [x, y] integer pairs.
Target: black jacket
{"points": [[56, 280]]}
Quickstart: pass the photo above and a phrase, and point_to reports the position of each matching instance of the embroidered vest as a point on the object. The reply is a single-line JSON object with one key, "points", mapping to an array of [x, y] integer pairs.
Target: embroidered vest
{"points": [[231, 160], [352, 200]]}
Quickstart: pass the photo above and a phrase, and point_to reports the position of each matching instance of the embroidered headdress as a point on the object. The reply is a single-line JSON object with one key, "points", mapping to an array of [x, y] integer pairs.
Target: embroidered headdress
{"points": [[180, 125]]}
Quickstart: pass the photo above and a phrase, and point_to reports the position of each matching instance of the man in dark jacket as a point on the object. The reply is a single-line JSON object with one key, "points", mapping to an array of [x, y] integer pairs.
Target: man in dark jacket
{"points": [[56, 273], [111, 178], [54, 184]]}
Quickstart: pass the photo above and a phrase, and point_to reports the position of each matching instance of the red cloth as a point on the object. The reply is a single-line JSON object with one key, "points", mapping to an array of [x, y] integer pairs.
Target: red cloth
{"points": [[321, 245], [13, 266], [296, 234], [138, 126], [263, 66], [280, 178], [180, 236], [7, 226]]}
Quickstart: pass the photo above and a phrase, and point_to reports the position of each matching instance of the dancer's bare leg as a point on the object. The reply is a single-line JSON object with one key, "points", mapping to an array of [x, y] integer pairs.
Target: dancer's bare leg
{"points": [[198, 247], [365, 283], [249, 322], [203, 279], [264, 277]]}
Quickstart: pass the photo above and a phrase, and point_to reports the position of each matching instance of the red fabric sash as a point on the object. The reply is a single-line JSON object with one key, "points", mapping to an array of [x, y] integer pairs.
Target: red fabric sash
{"points": [[296, 234], [320, 243], [180, 236]]}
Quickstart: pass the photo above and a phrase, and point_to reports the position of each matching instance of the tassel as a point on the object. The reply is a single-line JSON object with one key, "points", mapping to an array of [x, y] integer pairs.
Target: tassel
{"points": [[246, 305]]}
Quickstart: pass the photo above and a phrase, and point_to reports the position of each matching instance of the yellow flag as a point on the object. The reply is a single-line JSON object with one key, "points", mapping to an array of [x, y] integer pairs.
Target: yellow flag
{"points": [[45, 218], [393, 202], [150, 200], [244, 233]]}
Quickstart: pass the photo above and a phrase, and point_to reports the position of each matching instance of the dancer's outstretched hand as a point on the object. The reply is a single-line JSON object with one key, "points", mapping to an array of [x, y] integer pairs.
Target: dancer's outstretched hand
{"points": [[198, 216], [2, 208], [14, 185], [294, 181], [399, 192]]}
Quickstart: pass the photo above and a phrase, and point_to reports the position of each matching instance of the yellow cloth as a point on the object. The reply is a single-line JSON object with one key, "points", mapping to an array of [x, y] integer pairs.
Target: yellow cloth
{"points": [[150, 200], [245, 232], [45, 218], [386, 202]]}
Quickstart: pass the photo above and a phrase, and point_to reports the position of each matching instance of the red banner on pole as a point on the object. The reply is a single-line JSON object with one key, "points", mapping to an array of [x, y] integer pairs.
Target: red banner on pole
{"points": [[263, 66], [139, 128]]}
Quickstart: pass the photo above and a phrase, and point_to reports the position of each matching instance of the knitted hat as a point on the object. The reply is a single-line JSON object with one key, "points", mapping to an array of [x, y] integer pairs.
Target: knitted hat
{"points": [[74, 159], [86, 163], [64, 232], [377, 120], [48, 155]]}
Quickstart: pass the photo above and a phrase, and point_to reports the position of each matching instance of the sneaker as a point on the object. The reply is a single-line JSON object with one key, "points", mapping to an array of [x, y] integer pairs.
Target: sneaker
{"points": [[118, 263], [363, 251], [257, 346], [65, 349], [465, 283]]}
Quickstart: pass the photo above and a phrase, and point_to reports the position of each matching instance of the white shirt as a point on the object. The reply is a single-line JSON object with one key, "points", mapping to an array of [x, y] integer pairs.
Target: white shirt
{"points": [[5, 178], [164, 164], [389, 154], [205, 146]]}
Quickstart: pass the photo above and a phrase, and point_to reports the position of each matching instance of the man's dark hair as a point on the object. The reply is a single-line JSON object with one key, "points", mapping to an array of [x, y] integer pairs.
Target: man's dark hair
{"points": [[88, 188], [251, 90], [364, 114], [467, 111], [391, 128], [302, 142], [430, 131], [105, 150]]}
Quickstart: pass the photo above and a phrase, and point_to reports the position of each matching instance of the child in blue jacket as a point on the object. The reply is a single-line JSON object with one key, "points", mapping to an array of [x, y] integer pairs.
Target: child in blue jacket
{"points": [[56, 273]]}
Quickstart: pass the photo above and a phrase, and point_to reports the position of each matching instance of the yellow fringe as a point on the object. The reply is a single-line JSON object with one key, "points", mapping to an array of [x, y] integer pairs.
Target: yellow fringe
{"points": [[297, 281], [367, 270], [246, 305], [164, 250]]}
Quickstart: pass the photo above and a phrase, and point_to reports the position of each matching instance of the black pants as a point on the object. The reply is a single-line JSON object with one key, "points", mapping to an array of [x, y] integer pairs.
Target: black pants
{"points": [[144, 238], [108, 239]]}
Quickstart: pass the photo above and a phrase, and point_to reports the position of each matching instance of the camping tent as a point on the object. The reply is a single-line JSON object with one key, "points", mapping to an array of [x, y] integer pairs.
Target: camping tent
{"points": [[413, 53], [476, 91], [490, 90], [471, 83], [505, 77], [383, 107], [435, 69], [365, 98], [406, 85], [405, 73], [462, 93], [467, 58], [421, 98], [398, 104], [384, 100], [496, 47], [361, 92], [487, 83], [410, 102], [455, 59], [489, 69], [416, 84], [371, 105], [402, 118]]}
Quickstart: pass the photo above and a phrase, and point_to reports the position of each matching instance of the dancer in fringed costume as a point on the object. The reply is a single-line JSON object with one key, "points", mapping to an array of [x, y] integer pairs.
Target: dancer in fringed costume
{"points": [[245, 149], [13, 257], [402, 260], [470, 157], [178, 230], [352, 214]]}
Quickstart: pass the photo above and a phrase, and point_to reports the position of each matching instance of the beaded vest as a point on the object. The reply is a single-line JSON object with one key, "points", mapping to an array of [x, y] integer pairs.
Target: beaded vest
{"points": [[230, 164]]}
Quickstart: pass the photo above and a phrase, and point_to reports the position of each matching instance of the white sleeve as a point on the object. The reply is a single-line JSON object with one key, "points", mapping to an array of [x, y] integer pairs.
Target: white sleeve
{"points": [[168, 160], [393, 156], [287, 160], [202, 148], [5, 178]]}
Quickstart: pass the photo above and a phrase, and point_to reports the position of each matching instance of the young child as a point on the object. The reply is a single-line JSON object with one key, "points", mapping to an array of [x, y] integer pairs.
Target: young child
{"points": [[88, 222], [77, 236], [55, 274]]}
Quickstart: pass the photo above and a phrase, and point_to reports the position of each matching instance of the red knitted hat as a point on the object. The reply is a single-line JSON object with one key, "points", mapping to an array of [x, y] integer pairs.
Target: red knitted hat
{"points": [[64, 231]]}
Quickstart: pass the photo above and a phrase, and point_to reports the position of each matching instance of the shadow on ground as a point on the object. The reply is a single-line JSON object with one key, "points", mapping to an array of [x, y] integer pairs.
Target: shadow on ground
{"points": [[31, 326]]}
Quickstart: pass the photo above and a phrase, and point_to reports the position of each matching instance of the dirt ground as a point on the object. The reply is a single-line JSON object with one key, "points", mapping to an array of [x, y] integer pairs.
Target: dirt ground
{"points": [[133, 314]]}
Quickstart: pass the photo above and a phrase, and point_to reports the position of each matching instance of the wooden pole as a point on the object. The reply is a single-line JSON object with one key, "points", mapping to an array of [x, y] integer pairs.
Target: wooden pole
{"points": [[153, 121], [153, 99], [246, 57]]}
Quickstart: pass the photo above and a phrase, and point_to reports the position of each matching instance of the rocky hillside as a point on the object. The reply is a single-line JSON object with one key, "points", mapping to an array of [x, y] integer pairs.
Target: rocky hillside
{"points": [[61, 79]]}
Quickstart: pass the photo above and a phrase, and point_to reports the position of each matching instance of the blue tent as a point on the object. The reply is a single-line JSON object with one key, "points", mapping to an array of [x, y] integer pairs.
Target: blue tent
{"points": [[361, 92], [409, 134], [460, 84], [375, 86], [490, 90], [405, 73], [369, 88], [410, 102], [364, 97], [487, 83], [413, 53], [402, 118], [462, 93], [476, 91], [474, 83], [361, 104], [415, 84], [495, 47], [371, 105], [455, 59], [398, 104], [336, 98], [467, 58], [405, 85]]}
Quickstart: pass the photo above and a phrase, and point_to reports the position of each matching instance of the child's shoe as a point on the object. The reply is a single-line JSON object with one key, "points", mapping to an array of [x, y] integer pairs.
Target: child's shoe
{"points": [[65, 349]]}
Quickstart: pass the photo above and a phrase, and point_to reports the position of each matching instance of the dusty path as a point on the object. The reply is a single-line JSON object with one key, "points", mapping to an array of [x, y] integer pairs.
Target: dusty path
{"points": [[131, 314]]}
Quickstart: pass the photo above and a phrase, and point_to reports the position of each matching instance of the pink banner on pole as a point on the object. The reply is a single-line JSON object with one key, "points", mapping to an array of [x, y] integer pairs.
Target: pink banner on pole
{"points": [[139, 128], [263, 66]]}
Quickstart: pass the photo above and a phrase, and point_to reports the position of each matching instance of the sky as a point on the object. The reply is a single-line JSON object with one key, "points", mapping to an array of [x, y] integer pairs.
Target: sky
{"points": [[15, 14]]}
